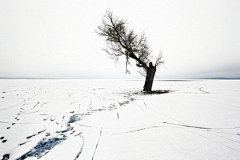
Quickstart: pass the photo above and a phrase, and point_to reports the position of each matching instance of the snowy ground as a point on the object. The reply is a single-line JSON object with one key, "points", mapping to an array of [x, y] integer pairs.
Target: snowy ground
{"points": [[111, 119]]}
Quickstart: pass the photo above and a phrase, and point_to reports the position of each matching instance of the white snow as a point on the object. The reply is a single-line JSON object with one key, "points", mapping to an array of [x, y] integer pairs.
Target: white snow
{"points": [[112, 119]]}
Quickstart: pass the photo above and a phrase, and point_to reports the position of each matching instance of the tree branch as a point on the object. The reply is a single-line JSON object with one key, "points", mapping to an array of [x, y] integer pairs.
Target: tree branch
{"points": [[121, 41]]}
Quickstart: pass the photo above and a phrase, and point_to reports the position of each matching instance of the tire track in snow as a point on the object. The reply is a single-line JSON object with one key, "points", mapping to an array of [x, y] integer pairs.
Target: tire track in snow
{"points": [[197, 127], [226, 138], [214, 141], [155, 112], [18, 122], [11, 106], [137, 130], [182, 124], [81, 149], [97, 143]]}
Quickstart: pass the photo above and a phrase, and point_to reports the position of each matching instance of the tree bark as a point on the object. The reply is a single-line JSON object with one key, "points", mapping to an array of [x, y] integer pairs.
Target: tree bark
{"points": [[149, 77]]}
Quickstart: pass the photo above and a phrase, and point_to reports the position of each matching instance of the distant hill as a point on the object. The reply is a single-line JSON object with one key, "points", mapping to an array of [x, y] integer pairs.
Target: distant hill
{"points": [[224, 78]]}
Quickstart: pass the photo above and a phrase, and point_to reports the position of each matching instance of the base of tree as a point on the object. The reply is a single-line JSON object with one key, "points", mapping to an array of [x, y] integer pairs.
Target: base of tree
{"points": [[154, 92]]}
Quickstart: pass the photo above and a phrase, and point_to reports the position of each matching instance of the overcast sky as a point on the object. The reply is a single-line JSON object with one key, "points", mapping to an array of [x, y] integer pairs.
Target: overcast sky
{"points": [[57, 39]]}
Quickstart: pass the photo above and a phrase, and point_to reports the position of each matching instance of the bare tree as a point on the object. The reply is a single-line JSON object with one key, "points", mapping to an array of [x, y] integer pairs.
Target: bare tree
{"points": [[122, 41]]}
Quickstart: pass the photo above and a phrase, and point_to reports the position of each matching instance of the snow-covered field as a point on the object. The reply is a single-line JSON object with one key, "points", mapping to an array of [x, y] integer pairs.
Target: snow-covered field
{"points": [[111, 119]]}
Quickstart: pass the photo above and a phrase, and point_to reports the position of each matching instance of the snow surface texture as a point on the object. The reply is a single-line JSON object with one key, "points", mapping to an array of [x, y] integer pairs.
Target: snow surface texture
{"points": [[112, 119]]}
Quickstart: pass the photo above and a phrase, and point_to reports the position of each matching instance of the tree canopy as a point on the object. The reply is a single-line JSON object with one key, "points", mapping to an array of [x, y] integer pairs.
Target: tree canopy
{"points": [[122, 41]]}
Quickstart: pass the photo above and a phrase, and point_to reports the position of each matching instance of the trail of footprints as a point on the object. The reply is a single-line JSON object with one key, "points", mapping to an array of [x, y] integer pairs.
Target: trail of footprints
{"points": [[50, 140], [3, 139]]}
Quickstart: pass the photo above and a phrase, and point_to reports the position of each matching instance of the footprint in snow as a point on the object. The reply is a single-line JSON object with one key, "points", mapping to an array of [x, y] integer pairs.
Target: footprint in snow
{"points": [[6, 156], [3, 141], [23, 143]]}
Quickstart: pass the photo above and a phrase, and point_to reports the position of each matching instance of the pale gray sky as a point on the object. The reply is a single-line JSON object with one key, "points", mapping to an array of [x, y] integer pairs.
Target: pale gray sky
{"points": [[57, 39]]}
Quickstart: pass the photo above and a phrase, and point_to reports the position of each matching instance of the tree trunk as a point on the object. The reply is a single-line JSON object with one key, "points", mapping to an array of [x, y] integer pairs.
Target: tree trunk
{"points": [[149, 77]]}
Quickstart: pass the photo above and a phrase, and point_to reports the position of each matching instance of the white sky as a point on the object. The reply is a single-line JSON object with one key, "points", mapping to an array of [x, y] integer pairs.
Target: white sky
{"points": [[57, 39]]}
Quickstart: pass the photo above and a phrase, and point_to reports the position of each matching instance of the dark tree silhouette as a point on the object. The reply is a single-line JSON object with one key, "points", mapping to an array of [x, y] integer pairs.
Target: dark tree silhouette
{"points": [[122, 41]]}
